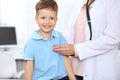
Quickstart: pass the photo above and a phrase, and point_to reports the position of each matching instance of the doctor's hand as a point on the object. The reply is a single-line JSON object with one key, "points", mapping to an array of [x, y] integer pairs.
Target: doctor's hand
{"points": [[65, 49]]}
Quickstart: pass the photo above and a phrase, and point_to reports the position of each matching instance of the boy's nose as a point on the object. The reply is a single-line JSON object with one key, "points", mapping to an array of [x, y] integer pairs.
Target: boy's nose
{"points": [[47, 20]]}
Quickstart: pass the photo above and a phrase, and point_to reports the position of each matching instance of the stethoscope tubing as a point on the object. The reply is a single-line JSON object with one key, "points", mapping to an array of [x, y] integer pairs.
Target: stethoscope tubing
{"points": [[88, 17]]}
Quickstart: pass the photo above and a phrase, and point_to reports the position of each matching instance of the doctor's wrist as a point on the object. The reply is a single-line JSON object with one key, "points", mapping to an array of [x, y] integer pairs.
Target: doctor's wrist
{"points": [[75, 54]]}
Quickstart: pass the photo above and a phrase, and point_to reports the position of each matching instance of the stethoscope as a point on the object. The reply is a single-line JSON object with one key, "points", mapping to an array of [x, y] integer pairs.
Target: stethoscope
{"points": [[88, 17]]}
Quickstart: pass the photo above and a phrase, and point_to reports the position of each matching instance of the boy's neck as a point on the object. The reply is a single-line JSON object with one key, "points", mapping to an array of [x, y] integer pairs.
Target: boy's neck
{"points": [[45, 35]]}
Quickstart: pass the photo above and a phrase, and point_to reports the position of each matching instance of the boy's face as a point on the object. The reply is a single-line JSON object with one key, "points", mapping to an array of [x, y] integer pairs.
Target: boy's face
{"points": [[46, 20]]}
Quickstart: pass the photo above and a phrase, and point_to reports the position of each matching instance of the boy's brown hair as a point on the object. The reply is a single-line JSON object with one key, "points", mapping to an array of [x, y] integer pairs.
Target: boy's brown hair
{"points": [[46, 4]]}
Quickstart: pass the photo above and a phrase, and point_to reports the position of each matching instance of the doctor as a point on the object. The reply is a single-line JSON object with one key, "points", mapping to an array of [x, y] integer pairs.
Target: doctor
{"points": [[95, 58]]}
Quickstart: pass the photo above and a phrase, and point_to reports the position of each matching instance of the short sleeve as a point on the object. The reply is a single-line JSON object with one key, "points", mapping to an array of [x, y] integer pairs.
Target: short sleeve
{"points": [[28, 52], [63, 40]]}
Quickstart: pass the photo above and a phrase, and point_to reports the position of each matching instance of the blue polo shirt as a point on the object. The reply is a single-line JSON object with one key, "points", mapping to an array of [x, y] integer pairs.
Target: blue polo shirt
{"points": [[48, 65]]}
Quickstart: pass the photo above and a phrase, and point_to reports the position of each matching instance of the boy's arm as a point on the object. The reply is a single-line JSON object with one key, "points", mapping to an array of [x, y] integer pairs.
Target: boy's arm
{"points": [[29, 70], [68, 66]]}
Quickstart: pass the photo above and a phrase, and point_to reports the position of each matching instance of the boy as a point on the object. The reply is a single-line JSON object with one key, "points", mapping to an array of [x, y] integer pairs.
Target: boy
{"points": [[42, 62]]}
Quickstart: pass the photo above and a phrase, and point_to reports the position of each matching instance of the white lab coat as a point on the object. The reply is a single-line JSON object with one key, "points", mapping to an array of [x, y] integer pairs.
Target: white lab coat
{"points": [[99, 55]]}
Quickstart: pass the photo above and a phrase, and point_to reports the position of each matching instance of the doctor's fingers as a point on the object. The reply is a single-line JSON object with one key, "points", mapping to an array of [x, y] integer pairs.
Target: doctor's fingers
{"points": [[65, 49], [65, 52], [58, 47]]}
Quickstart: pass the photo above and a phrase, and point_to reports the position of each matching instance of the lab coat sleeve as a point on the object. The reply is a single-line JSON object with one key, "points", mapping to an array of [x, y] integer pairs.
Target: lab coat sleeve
{"points": [[109, 40]]}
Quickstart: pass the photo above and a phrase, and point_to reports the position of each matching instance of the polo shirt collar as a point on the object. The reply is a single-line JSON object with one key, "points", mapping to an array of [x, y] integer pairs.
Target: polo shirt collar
{"points": [[37, 36]]}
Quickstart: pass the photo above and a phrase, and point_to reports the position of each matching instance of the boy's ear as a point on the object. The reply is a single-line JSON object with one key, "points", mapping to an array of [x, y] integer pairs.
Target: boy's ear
{"points": [[36, 20]]}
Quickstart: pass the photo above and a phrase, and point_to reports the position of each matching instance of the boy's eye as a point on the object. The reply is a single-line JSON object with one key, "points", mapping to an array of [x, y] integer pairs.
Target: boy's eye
{"points": [[51, 18], [42, 17]]}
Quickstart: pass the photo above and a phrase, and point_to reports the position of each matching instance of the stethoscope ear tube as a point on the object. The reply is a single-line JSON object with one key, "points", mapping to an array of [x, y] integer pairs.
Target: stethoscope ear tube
{"points": [[88, 17]]}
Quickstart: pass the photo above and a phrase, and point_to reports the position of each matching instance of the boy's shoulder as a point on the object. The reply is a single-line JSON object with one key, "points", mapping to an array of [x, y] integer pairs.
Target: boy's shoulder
{"points": [[58, 33]]}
